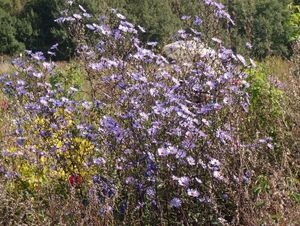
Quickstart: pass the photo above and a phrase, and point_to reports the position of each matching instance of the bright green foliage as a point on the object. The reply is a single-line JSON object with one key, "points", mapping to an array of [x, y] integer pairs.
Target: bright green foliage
{"points": [[266, 100], [71, 76], [294, 21]]}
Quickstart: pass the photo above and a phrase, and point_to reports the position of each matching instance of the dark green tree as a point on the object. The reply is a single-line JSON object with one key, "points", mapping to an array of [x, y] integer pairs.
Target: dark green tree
{"points": [[264, 23], [8, 42], [271, 30], [267, 24], [155, 16], [38, 30]]}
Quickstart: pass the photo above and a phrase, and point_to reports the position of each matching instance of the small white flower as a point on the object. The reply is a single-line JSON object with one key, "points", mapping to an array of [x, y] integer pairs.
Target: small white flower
{"points": [[120, 16], [163, 152], [77, 16], [193, 193], [198, 180], [191, 161], [141, 29], [218, 175], [38, 74], [83, 9]]}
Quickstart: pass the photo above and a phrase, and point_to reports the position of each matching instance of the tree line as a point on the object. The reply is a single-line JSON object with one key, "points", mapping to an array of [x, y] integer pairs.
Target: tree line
{"points": [[270, 26]]}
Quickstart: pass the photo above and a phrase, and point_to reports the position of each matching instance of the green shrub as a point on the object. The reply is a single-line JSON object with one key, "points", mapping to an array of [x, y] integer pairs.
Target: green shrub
{"points": [[266, 100]]}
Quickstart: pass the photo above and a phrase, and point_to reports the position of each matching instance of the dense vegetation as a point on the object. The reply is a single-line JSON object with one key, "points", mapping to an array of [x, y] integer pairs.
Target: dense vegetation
{"points": [[126, 133], [270, 25]]}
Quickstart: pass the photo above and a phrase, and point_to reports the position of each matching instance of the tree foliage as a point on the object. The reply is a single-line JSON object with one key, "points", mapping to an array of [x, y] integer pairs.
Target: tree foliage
{"points": [[8, 42], [269, 25], [38, 30], [156, 16]]}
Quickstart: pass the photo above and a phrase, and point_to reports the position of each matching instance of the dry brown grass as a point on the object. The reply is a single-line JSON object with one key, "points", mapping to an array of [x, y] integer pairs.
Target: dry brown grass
{"points": [[5, 68]]}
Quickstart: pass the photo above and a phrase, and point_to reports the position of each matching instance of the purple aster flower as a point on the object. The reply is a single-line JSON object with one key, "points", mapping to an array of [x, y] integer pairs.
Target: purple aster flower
{"points": [[9, 174], [112, 126], [70, 19], [3, 77], [58, 103], [223, 136], [38, 56], [54, 126], [96, 179], [225, 197], [47, 66], [44, 101], [176, 203], [196, 32], [104, 29], [150, 192], [98, 103], [19, 131], [246, 180], [162, 151], [87, 105], [96, 66], [180, 154], [130, 180], [99, 161], [20, 141], [185, 17], [54, 46], [197, 21], [123, 28], [184, 181], [191, 161], [248, 174], [60, 20]]}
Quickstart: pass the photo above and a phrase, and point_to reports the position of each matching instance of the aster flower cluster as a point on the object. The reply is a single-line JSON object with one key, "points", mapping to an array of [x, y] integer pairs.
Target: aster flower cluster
{"points": [[152, 134]]}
